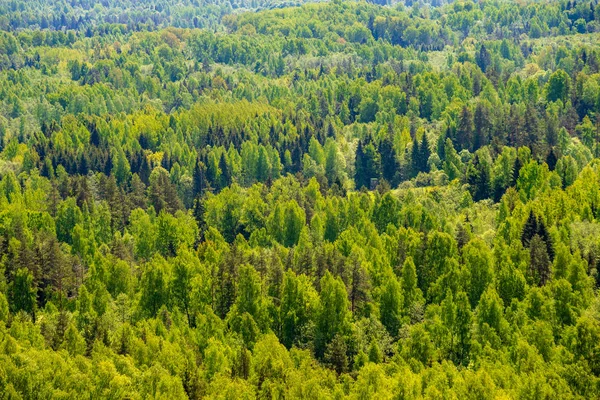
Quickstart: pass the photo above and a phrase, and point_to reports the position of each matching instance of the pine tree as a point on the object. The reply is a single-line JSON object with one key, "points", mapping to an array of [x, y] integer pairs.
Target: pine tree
{"points": [[551, 159], [516, 171], [464, 131], [424, 153], [483, 58], [22, 293], [539, 261], [415, 161], [530, 229], [533, 129], [478, 177], [198, 212], [372, 163], [359, 288], [94, 136], [225, 177], [163, 194], [165, 162], [336, 355], [137, 193], [145, 170], [543, 233], [482, 124], [389, 162], [199, 179], [360, 179]]}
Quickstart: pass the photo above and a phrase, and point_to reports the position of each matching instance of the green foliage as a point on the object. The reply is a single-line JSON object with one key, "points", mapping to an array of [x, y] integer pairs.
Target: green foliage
{"points": [[308, 201]]}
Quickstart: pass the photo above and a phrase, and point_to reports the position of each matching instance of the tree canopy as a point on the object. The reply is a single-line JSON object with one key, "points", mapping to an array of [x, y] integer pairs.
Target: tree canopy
{"points": [[250, 199]]}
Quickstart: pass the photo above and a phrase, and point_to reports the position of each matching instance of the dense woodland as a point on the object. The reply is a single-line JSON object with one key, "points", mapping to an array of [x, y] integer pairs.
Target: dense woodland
{"points": [[334, 200]]}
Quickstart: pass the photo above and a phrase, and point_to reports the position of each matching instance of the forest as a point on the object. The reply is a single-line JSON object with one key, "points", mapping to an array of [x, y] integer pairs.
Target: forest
{"points": [[235, 199]]}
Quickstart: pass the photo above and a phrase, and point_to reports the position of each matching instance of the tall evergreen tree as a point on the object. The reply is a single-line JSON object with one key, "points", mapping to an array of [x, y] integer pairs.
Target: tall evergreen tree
{"points": [[415, 161], [464, 130], [482, 125], [530, 229], [478, 177], [483, 58], [539, 261], [225, 172], [424, 153], [389, 162], [360, 173]]}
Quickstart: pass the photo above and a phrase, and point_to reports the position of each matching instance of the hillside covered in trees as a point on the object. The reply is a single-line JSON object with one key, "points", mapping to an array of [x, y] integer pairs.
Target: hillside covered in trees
{"points": [[325, 201]]}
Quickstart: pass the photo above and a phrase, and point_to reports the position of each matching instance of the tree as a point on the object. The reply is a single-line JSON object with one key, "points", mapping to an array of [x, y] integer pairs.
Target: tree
{"points": [[424, 153], [226, 275], [249, 294], [389, 161], [333, 317], [200, 182], [86, 319], [453, 165], [465, 130], [4, 309], [490, 321], [263, 165], [483, 58], [162, 193], [587, 132], [271, 363], [408, 281], [510, 280], [299, 303], [385, 211], [462, 328], [391, 305], [22, 293], [367, 165], [293, 222], [184, 268], [336, 354], [359, 291], [530, 229], [479, 179], [225, 172], [539, 261], [557, 87], [551, 159], [532, 126], [534, 226], [439, 249], [479, 264], [415, 158], [360, 173], [154, 291], [68, 215], [456, 316], [73, 342], [418, 346], [368, 110], [482, 125], [198, 212]]}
